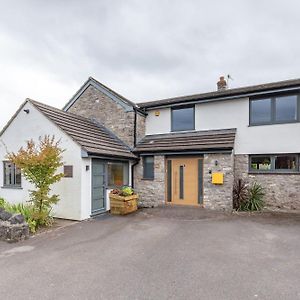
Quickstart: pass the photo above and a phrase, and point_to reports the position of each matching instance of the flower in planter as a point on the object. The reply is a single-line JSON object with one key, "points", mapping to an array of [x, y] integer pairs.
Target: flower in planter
{"points": [[124, 191], [127, 191]]}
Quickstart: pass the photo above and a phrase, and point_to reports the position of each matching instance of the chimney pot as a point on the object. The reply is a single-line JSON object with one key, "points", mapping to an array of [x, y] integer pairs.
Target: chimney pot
{"points": [[222, 84]]}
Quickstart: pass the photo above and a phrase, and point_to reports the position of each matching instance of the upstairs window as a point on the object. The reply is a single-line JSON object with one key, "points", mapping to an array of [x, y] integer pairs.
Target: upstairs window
{"points": [[12, 175], [183, 118], [286, 108], [274, 163], [275, 110]]}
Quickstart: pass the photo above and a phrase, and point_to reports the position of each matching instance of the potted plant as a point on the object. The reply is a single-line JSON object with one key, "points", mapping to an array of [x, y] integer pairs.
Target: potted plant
{"points": [[123, 201]]}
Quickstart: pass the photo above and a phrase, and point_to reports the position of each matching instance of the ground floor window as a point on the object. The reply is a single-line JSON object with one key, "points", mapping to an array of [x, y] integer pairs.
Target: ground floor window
{"points": [[12, 175], [274, 163], [148, 167], [117, 174]]}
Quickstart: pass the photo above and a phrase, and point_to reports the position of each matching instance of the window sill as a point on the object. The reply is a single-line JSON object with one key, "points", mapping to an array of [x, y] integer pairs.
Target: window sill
{"points": [[183, 131], [275, 123], [149, 179], [274, 173], [12, 187]]}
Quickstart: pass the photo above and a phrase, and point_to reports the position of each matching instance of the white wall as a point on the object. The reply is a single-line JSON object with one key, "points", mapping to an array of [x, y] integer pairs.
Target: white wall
{"points": [[158, 124], [86, 188], [32, 126], [279, 138]]}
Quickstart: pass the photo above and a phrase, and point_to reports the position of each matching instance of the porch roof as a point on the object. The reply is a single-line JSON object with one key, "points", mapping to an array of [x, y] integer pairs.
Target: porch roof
{"points": [[188, 141], [93, 137]]}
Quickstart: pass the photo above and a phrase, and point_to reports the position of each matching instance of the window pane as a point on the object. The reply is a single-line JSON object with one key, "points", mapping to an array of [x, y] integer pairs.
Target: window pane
{"points": [[117, 174], [261, 111], [286, 162], [18, 177], [262, 163], [183, 119], [286, 108], [8, 173], [12, 174], [149, 167]]}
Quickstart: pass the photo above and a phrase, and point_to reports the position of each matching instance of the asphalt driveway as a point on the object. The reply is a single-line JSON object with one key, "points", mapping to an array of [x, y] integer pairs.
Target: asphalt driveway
{"points": [[166, 253]]}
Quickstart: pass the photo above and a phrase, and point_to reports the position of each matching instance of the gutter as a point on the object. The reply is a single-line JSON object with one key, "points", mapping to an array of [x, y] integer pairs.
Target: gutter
{"points": [[132, 172], [134, 127]]}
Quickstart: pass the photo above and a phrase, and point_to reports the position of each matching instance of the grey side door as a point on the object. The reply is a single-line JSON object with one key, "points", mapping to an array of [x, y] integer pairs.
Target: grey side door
{"points": [[98, 185]]}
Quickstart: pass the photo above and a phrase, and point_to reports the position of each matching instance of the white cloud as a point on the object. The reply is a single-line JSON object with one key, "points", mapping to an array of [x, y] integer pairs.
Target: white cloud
{"points": [[143, 49]]}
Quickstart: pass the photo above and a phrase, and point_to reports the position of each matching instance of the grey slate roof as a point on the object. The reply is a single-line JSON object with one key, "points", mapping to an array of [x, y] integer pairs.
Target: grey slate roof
{"points": [[94, 138], [188, 141], [218, 95]]}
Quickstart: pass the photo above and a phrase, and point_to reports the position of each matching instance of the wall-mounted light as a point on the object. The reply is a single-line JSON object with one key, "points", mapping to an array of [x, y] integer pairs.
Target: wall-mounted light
{"points": [[216, 162], [87, 168], [26, 111], [157, 113]]}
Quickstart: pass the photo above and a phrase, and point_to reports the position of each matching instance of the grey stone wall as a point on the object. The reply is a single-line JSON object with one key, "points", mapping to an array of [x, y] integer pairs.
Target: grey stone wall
{"points": [[151, 192], [218, 196], [96, 105], [140, 127], [13, 228], [282, 191]]}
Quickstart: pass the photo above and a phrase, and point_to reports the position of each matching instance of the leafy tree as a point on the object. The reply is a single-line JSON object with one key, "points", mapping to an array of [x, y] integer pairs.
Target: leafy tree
{"points": [[39, 164]]}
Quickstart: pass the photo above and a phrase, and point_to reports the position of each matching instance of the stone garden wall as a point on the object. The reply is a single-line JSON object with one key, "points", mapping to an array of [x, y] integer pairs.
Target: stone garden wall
{"points": [[13, 228]]}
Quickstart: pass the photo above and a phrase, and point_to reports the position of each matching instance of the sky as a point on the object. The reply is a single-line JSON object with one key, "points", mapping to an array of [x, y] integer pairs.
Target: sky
{"points": [[144, 50]]}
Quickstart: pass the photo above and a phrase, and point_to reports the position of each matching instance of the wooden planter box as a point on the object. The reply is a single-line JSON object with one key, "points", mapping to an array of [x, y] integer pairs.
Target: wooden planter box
{"points": [[121, 205]]}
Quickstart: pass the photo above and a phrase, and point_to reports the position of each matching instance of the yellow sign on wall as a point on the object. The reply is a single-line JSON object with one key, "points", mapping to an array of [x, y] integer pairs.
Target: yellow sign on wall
{"points": [[217, 178]]}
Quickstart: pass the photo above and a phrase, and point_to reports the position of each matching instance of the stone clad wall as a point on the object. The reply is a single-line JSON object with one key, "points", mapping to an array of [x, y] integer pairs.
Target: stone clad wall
{"points": [[96, 105], [218, 196], [282, 191], [140, 127], [151, 192]]}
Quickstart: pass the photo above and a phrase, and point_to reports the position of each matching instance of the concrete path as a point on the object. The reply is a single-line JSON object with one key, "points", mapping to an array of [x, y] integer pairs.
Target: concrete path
{"points": [[165, 253]]}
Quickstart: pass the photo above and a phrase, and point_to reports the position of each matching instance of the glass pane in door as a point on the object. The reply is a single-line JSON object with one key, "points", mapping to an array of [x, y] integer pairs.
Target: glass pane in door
{"points": [[98, 186]]}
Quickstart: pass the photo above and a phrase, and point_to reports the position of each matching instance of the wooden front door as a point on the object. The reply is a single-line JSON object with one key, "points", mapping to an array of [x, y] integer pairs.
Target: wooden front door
{"points": [[184, 180]]}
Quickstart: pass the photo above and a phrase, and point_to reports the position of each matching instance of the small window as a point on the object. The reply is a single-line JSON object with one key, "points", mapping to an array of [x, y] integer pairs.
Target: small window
{"points": [[68, 171], [183, 119], [274, 163], [261, 111], [12, 175], [148, 166], [117, 174], [286, 162], [261, 163]]}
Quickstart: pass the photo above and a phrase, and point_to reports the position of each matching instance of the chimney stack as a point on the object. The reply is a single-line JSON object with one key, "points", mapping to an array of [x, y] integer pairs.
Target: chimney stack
{"points": [[222, 84]]}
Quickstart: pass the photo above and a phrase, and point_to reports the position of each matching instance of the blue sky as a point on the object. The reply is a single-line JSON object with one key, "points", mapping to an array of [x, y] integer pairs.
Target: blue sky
{"points": [[145, 50]]}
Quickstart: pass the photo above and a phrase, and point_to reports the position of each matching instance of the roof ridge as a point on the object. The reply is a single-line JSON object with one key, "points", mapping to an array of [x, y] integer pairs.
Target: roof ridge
{"points": [[61, 111], [263, 86]]}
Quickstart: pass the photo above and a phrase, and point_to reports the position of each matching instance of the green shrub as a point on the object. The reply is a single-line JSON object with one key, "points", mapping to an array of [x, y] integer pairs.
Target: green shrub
{"points": [[2, 202], [39, 163], [255, 201], [127, 191]]}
